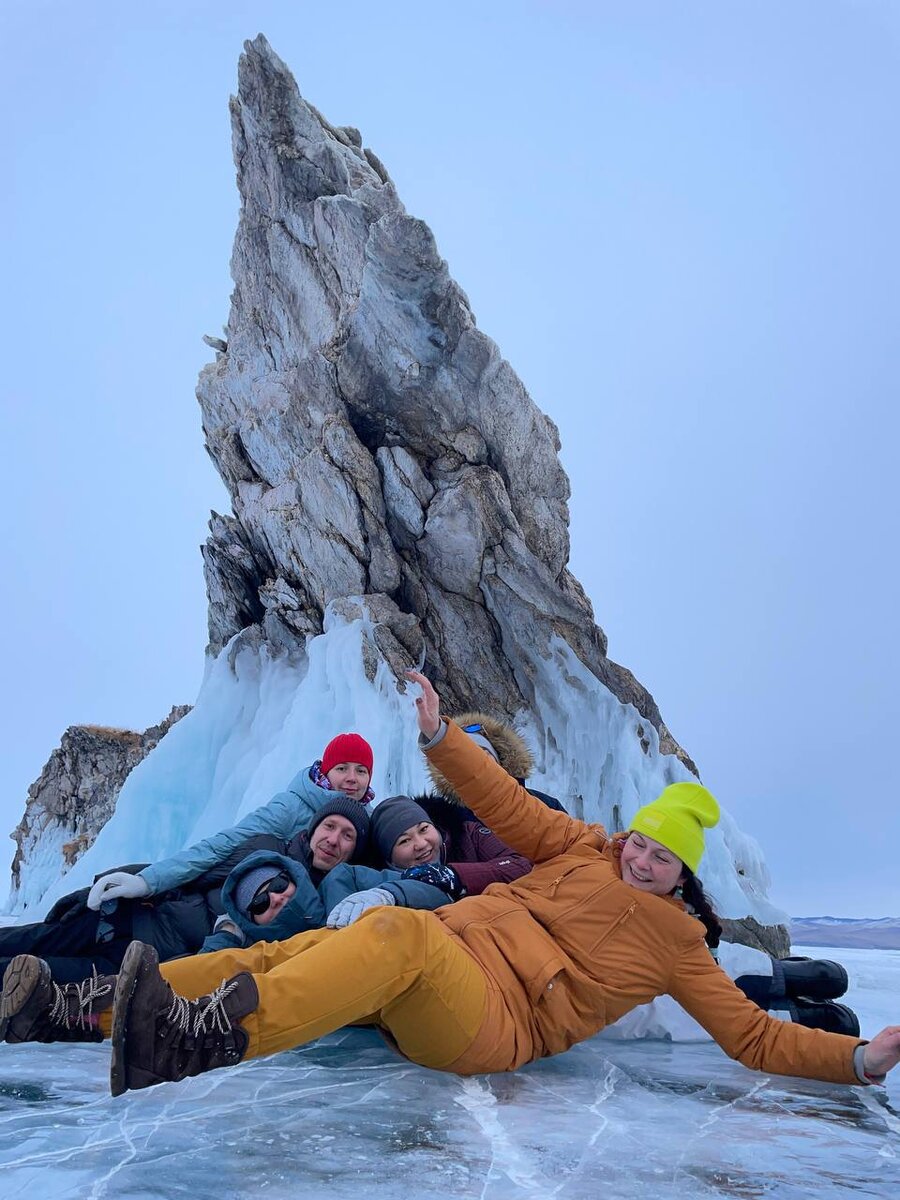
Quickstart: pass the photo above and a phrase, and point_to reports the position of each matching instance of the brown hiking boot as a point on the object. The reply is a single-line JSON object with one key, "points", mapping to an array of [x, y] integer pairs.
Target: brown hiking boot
{"points": [[35, 1009], [159, 1036]]}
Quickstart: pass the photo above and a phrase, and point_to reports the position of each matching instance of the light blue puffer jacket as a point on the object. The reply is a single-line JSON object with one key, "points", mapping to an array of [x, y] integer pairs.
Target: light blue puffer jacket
{"points": [[285, 814]]}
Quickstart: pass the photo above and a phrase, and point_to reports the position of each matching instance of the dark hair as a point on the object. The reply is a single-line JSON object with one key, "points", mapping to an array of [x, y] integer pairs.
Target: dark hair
{"points": [[698, 902]]}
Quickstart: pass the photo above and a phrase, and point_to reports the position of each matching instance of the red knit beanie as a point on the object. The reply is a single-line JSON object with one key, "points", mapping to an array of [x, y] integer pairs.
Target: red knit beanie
{"points": [[347, 747]]}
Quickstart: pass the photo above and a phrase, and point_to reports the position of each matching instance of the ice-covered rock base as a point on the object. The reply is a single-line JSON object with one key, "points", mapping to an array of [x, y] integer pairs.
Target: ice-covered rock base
{"points": [[345, 1117]]}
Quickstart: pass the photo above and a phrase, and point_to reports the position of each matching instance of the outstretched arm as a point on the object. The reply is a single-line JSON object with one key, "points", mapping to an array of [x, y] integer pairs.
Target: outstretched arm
{"points": [[522, 822], [763, 1042]]}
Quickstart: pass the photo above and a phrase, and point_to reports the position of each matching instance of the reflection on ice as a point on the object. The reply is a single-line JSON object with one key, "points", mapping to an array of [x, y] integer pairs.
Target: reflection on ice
{"points": [[610, 1118]]}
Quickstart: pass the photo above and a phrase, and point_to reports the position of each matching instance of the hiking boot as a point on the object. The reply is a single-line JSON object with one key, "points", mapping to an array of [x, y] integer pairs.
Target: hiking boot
{"points": [[159, 1036], [35, 1009], [825, 1014], [813, 978]]}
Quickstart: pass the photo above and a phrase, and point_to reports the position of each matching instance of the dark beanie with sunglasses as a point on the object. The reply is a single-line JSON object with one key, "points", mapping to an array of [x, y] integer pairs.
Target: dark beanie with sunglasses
{"points": [[251, 883]]}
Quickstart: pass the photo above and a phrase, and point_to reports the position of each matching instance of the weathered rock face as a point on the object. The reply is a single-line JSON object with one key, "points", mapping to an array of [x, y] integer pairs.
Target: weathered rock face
{"points": [[76, 793], [374, 442], [774, 939]]}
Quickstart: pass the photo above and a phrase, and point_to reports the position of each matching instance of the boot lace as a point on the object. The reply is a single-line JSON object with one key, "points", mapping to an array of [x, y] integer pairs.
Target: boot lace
{"points": [[85, 993], [196, 1017]]}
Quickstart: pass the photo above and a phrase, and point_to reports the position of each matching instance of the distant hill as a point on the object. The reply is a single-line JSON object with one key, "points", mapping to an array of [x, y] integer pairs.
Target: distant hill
{"points": [[867, 934]]}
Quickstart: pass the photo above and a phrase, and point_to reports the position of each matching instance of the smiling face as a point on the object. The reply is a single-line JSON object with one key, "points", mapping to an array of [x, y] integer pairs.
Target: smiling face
{"points": [[649, 866], [421, 843], [277, 901], [350, 778], [332, 841]]}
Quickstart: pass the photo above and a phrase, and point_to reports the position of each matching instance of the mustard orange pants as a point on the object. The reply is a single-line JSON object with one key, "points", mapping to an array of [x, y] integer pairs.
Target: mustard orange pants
{"points": [[395, 967]]}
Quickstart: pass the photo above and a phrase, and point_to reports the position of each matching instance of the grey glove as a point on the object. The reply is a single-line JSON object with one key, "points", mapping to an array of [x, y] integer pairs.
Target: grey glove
{"points": [[118, 885], [352, 907]]}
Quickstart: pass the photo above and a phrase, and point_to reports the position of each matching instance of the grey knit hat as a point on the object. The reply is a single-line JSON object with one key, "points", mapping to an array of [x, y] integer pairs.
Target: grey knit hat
{"points": [[391, 818], [354, 811], [250, 884]]}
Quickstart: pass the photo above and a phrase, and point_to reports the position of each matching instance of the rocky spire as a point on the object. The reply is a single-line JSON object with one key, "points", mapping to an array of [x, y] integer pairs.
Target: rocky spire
{"points": [[375, 443]]}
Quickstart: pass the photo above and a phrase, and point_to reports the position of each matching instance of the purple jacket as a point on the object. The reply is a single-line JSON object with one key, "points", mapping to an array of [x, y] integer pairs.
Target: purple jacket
{"points": [[477, 855]]}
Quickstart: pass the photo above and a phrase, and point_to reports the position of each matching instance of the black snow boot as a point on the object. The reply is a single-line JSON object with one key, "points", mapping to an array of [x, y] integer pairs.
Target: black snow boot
{"points": [[824, 1014], [35, 1009], [159, 1036], [813, 978]]}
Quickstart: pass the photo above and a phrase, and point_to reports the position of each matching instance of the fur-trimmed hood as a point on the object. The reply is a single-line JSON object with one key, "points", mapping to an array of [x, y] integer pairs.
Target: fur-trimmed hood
{"points": [[512, 752]]}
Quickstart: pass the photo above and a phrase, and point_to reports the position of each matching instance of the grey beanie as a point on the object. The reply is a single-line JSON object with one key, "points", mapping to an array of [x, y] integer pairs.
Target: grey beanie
{"points": [[250, 884], [354, 811], [391, 818]]}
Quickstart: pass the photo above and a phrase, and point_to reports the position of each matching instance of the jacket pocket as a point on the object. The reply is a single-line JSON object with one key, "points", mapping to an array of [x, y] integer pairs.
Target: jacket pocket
{"points": [[528, 950]]}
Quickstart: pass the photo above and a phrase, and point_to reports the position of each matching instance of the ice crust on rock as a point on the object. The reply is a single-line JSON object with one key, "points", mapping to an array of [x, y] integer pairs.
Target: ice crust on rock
{"points": [[259, 718]]}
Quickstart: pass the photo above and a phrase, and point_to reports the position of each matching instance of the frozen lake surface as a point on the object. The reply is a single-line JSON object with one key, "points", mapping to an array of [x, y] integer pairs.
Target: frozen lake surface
{"points": [[346, 1118]]}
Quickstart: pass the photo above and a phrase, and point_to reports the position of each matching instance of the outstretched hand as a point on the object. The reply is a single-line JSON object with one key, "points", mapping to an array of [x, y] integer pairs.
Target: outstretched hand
{"points": [[428, 705], [883, 1052]]}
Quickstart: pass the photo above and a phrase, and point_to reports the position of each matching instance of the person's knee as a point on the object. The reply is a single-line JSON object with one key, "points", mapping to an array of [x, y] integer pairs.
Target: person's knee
{"points": [[391, 922], [398, 933]]}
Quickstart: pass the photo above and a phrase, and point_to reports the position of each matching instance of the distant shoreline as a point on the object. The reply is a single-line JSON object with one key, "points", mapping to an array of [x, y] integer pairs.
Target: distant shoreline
{"points": [[877, 933]]}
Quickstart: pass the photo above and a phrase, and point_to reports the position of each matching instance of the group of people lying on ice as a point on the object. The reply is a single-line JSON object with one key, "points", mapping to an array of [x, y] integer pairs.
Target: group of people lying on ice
{"points": [[323, 908]]}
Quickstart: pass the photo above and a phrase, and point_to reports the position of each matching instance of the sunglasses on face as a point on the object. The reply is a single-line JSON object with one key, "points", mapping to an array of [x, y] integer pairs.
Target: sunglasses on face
{"points": [[472, 729], [274, 887]]}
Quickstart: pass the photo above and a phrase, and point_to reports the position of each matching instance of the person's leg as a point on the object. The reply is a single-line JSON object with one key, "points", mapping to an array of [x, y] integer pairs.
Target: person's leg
{"points": [[75, 936], [398, 964], [72, 969], [19, 939]]}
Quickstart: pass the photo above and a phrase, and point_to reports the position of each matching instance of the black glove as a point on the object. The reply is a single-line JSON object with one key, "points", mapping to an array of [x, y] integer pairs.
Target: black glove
{"points": [[444, 878]]}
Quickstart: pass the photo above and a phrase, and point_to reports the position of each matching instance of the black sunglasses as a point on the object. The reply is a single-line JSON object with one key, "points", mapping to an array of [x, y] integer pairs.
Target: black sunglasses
{"points": [[260, 901]]}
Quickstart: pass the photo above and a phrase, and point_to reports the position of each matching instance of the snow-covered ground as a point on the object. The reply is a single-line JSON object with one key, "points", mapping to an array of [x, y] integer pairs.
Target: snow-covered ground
{"points": [[346, 1118]]}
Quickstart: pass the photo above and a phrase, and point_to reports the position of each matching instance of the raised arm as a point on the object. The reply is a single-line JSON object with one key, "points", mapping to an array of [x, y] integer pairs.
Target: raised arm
{"points": [[522, 822]]}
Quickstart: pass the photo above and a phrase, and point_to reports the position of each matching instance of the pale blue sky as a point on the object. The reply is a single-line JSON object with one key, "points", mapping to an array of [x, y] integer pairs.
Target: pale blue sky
{"points": [[679, 223]]}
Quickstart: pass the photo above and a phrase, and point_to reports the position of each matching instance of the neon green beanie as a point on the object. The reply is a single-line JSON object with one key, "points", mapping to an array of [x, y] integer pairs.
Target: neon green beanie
{"points": [[676, 819]]}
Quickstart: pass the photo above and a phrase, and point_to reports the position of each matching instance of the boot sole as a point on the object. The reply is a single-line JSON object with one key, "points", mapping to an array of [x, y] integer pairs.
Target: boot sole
{"points": [[22, 976], [126, 983]]}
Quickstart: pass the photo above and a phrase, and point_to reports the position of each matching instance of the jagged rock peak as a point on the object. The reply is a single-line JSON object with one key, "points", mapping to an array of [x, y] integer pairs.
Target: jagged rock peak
{"points": [[76, 792], [375, 443]]}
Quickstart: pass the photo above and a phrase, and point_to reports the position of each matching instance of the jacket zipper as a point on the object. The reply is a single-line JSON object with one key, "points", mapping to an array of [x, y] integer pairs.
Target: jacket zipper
{"points": [[620, 920]]}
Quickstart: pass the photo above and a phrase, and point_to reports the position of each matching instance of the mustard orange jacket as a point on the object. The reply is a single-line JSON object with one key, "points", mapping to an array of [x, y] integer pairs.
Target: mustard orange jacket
{"points": [[570, 948]]}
